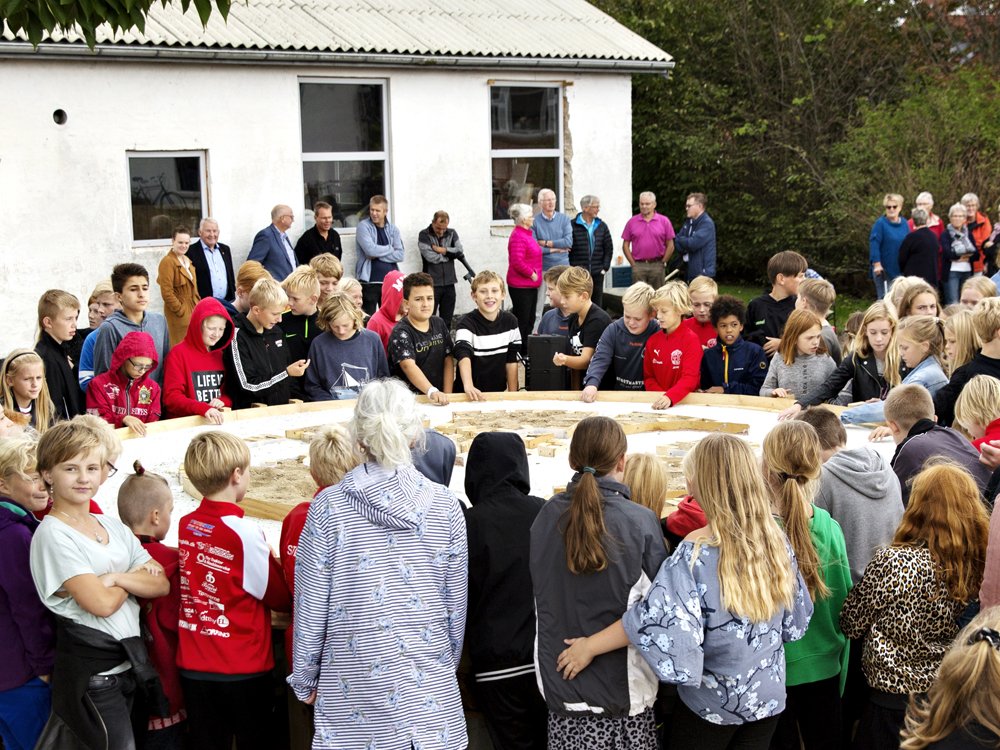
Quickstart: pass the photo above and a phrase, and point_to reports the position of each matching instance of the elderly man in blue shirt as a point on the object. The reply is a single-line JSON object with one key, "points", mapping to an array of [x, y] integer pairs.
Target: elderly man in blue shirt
{"points": [[554, 234]]}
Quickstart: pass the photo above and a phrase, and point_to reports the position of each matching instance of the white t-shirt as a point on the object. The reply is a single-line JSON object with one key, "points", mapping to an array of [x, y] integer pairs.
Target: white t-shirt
{"points": [[60, 552]]}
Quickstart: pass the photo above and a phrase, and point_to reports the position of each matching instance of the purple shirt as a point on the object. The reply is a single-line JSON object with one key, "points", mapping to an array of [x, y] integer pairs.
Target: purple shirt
{"points": [[649, 238]]}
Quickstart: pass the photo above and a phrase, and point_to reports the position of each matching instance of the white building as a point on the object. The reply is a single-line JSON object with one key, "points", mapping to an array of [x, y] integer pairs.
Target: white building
{"points": [[462, 105]]}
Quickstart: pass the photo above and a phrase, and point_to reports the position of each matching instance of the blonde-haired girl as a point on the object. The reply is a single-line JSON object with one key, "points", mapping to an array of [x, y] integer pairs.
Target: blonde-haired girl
{"points": [[801, 362], [961, 708], [647, 479], [346, 355], [975, 289], [23, 388], [920, 340], [593, 553], [907, 603], [815, 664], [961, 342], [718, 611], [872, 368]]}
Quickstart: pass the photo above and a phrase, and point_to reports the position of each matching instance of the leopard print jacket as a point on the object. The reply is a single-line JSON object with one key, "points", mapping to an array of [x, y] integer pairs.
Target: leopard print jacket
{"points": [[901, 607]]}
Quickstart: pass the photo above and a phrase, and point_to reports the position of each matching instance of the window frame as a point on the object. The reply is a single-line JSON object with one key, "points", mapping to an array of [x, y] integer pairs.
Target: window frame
{"points": [[513, 153], [202, 155], [350, 156]]}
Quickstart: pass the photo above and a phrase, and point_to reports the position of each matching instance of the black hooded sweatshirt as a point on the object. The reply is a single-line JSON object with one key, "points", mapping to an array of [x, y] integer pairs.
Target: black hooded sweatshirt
{"points": [[500, 628]]}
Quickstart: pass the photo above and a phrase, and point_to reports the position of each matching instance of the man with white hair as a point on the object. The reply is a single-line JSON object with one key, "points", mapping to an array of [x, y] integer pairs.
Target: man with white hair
{"points": [[271, 245], [648, 242], [213, 262], [554, 235]]}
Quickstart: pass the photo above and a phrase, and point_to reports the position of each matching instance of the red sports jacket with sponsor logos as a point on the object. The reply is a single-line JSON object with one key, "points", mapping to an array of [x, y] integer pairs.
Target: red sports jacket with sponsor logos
{"points": [[673, 363], [230, 582], [291, 530]]}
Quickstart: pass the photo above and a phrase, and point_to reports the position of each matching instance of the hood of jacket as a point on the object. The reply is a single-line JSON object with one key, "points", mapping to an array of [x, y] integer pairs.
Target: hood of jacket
{"points": [[392, 295], [206, 308], [12, 514], [135, 344], [436, 460], [500, 462], [863, 470], [392, 499]]}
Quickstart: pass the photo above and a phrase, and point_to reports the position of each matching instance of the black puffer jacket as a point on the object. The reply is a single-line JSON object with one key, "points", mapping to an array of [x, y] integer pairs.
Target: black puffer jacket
{"points": [[500, 628], [596, 259]]}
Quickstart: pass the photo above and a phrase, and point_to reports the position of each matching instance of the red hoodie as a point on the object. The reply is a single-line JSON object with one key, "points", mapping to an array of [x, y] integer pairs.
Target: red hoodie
{"points": [[705, 332], [112, 395], [672, 363], [384, 319], [992, 433], [193, 374]]}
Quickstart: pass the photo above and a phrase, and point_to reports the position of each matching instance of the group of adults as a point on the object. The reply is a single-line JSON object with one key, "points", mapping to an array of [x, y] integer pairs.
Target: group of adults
{"points": [[944, 254], [551, 238]]}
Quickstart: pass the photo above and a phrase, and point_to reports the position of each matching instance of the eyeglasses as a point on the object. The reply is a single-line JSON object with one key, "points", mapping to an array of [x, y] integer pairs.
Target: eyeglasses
{"points": [[112, 469], [892, 207], [140, 368]]}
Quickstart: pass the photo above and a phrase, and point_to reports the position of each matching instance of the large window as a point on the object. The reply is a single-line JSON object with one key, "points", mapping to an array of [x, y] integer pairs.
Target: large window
{"points": [[343, 145], [168, 190], [526, 147]]}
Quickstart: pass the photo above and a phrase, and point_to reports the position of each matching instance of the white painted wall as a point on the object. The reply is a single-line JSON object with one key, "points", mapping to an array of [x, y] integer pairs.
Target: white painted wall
{"points": [[65, 189]]}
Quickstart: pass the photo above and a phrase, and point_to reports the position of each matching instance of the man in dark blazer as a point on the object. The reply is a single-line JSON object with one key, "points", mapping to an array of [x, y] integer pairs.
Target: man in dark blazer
{"points": [[208, 255], [322, 238], [271, 246]]}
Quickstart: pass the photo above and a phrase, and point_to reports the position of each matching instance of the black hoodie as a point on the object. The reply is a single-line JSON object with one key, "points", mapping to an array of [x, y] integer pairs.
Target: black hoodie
{"points": [[500, 628]]}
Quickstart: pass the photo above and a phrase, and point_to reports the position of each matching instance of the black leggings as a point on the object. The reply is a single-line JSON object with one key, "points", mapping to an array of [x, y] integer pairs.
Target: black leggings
{"points": [[812, 711], [690, 732], [223, 710], [523, 303]]}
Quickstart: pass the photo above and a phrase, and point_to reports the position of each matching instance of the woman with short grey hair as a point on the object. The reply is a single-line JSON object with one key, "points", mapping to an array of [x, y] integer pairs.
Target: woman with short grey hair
{"points": [[958, 253], [377, 644]]}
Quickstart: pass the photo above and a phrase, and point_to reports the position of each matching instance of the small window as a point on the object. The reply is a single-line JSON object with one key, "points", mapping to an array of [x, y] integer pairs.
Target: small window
{"points": [[168, 190], [344, 156], [526, 144]]}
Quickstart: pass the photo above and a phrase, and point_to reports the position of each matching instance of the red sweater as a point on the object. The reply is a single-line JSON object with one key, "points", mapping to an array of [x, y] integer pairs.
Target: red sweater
{"points": [[672, 363], [160, 618], [992, 433], [229, 584], [291, 530], [704, 331], [193, 374], [112, 395]]}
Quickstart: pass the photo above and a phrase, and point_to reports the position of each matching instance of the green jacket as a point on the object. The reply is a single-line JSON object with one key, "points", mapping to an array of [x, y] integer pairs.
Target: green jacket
{"points": [[822, 652]]}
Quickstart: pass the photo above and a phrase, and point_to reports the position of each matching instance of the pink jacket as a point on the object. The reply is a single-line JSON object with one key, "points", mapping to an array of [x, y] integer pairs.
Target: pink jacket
{"points": [[524, 255]]}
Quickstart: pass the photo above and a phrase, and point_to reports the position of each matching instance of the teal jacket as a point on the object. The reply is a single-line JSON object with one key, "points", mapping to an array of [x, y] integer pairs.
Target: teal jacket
{"points": [[822, 652]]}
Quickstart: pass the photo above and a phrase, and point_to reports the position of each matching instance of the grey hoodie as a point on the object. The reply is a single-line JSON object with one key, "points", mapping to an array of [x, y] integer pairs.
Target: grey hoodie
{"points": [[113, 330], [861, 491]]}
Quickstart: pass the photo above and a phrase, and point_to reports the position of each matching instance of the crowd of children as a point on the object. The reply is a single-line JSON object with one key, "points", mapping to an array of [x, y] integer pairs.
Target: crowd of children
{"points": [[813, 597]]}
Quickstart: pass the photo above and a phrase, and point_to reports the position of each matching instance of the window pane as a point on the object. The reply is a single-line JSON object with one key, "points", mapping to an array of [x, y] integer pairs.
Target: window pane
{"points": [[341, 117], [525, 117], [166, 192], [519, 180], [345, 185]]}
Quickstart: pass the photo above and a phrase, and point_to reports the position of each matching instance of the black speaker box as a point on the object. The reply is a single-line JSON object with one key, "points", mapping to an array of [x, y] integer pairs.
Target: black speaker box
{"points": [[541, 374]]}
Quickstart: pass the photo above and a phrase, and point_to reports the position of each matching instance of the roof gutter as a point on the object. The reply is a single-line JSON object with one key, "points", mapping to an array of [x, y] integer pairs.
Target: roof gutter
{"points": [[194, 55]]}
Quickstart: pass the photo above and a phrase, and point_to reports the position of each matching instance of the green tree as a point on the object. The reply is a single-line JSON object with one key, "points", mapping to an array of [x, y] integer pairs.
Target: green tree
{"points": [[35, 18]]}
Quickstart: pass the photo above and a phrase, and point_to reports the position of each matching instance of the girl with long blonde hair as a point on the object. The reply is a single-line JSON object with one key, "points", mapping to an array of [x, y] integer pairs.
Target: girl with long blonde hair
{"points": [[647, 480], [962, 707], [961, 342], [23, 388], [815, 664], [872, 368], [593, 553], [709, 622], [907, 603]]}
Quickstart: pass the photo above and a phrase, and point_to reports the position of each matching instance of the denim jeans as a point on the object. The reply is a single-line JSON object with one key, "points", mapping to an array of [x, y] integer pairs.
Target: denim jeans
{"points": [[882, 284], [112, 696], [953, 286]]}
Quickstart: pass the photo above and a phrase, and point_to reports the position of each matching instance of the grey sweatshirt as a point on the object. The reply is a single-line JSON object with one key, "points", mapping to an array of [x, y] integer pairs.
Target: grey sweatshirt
{"points": [[861, 491], [113, 330], [800, 377]]}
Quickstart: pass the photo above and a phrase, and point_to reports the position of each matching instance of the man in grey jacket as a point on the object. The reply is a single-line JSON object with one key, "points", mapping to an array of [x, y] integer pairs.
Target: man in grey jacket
{"points": [[439, 248]]}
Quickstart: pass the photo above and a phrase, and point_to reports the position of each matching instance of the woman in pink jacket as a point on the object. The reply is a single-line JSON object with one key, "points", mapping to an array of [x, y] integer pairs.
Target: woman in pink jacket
{"points": [[524, 270]]}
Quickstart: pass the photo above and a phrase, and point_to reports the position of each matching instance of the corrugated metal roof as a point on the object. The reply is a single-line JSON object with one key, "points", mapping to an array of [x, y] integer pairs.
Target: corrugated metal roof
{"points": [[555, 29]]}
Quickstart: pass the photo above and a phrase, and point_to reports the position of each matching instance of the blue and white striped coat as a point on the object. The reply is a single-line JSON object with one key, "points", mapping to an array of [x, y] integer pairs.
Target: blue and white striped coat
{"points": [[381, 590]]}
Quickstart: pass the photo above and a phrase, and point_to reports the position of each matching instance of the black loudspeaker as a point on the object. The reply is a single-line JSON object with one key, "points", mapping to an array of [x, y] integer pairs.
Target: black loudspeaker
{"points": [[541, 374]]}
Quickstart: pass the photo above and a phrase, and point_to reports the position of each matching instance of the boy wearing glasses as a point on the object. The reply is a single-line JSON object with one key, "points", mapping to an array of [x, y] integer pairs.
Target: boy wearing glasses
{"points": [[125, 395]]}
